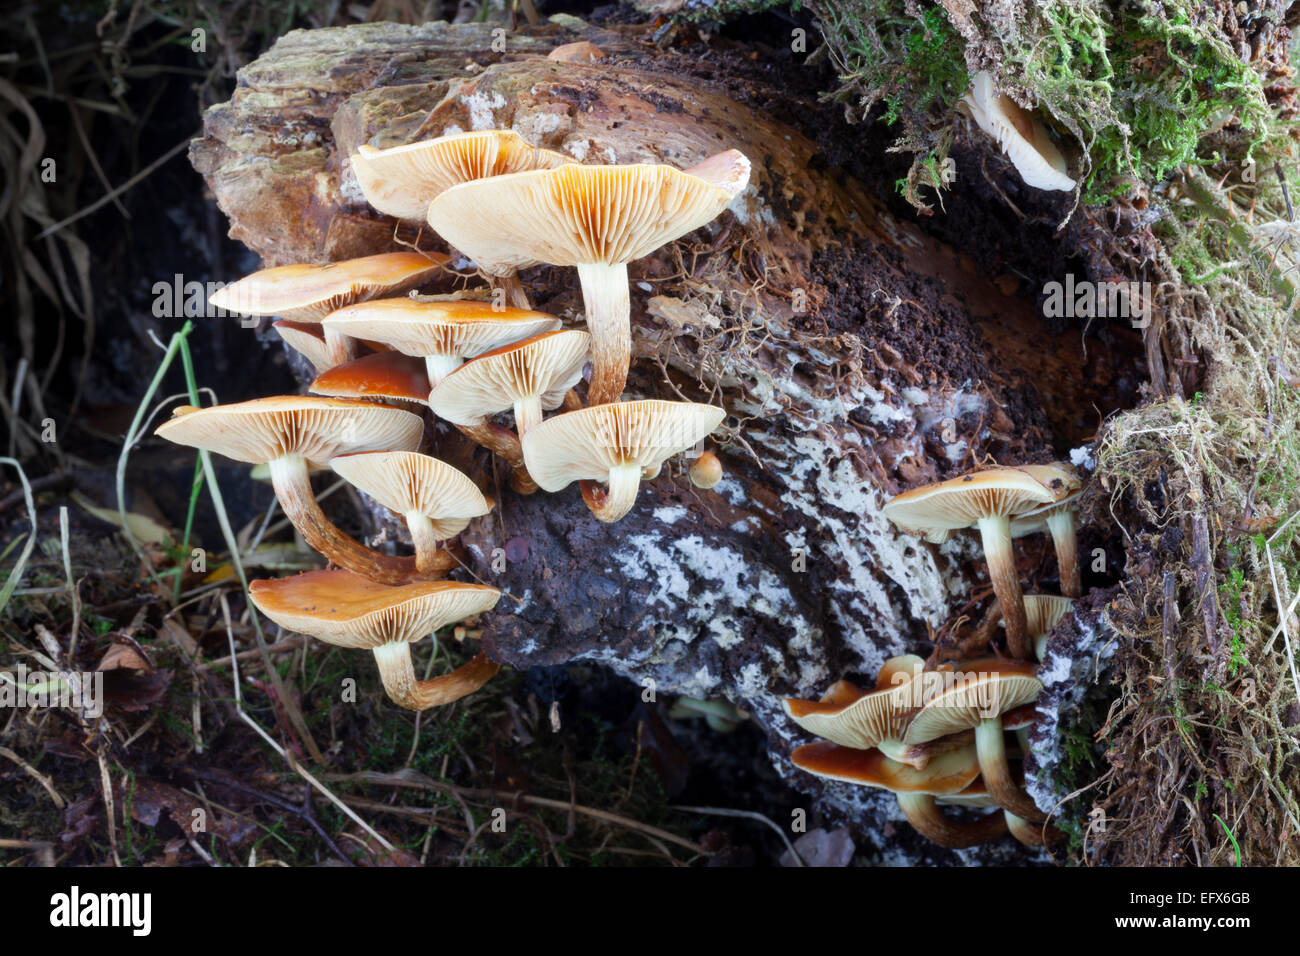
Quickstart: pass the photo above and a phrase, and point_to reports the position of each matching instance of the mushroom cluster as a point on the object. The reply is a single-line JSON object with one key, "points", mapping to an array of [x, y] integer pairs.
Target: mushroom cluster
{"points": [[384, 359], [953, 734]]}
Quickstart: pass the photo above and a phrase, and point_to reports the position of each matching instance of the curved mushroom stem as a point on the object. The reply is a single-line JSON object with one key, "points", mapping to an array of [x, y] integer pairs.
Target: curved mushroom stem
{"points": [[516, 294], [1061, 524], [528, 413], [1031, 834], [292, 486], [612, 503], [438, 367], [995, 535], [398, 675], [929, 820], [605, 295], [339, 348], [991, 747], [505, 443], [427, 556]]}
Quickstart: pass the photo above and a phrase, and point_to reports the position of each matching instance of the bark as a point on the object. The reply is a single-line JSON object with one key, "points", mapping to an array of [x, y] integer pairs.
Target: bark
{"points": [[856, 357]]}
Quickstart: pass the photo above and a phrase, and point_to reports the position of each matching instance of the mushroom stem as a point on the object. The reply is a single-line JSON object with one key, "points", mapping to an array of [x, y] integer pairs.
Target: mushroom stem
{"points": [[292, 485], [920, 755], [1031, 834], [516, 294], [605, 295], [439, 367], [995, 535], [991, 747], [1061, 524], [528, 412], [339, 348], [505, 443], [398, 675], [427, 556], [929, 820], [614, 502]]}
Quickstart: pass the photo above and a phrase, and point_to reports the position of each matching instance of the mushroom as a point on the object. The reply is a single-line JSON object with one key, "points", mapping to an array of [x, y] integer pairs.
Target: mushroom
{"points": [[1058, 519], [443, 332], [597, 218], [851, 717], [946, 776], [528, 376], [613, 443], [706, 470], [347, 610], [436, 499], [1024, 139], [383, 376], [293, 433], [987, 500], [1042, 613], [307, 293], [982, 692], [403, 180], [307, 339]]}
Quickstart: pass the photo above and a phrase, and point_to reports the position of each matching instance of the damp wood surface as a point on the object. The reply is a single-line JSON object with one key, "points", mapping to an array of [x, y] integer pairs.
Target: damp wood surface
{"points": [[855, 354]]}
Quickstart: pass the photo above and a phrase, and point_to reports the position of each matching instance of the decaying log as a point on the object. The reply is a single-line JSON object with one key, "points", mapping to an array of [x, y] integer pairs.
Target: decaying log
{"points": [[855, 356]]}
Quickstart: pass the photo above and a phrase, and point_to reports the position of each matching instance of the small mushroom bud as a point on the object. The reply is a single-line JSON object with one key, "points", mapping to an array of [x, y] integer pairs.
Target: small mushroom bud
{"points": [[706, 471]]}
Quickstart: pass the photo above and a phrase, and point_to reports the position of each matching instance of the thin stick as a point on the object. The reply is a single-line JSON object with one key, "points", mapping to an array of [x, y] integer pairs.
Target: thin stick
{"points": [[109, 197]]}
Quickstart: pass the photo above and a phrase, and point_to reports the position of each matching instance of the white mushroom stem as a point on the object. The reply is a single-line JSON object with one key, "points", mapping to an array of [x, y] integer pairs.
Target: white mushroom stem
{"points": [[605, 295], [995, 535], [991, 747], [339, 348], [438, 367], [427, 558], [613, 502], [528, 412], [289, 477], [398, 675], [1061, 524], [929, 820]]}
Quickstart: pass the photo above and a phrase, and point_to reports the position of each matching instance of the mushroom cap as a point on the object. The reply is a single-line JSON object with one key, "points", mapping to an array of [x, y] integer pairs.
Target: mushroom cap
{"points": [[406, 481], [852, 717], [985, 688], [307, 339], [1044, 611], [308, 292], [937, 509], [947, 773], [348, 610], [382, 375], [584, 214], [587, 443], [1024, 139], [318, 429], [403, 180], [460, 327], [1059, 478], [545, 366]]}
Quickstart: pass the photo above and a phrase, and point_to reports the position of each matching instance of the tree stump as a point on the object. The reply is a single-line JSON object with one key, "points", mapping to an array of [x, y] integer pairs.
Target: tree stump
{"points": [[855, 355]]}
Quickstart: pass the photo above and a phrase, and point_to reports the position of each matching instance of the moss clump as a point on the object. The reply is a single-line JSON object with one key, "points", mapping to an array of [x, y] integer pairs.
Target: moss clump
{"points": [[1138, 84]]}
